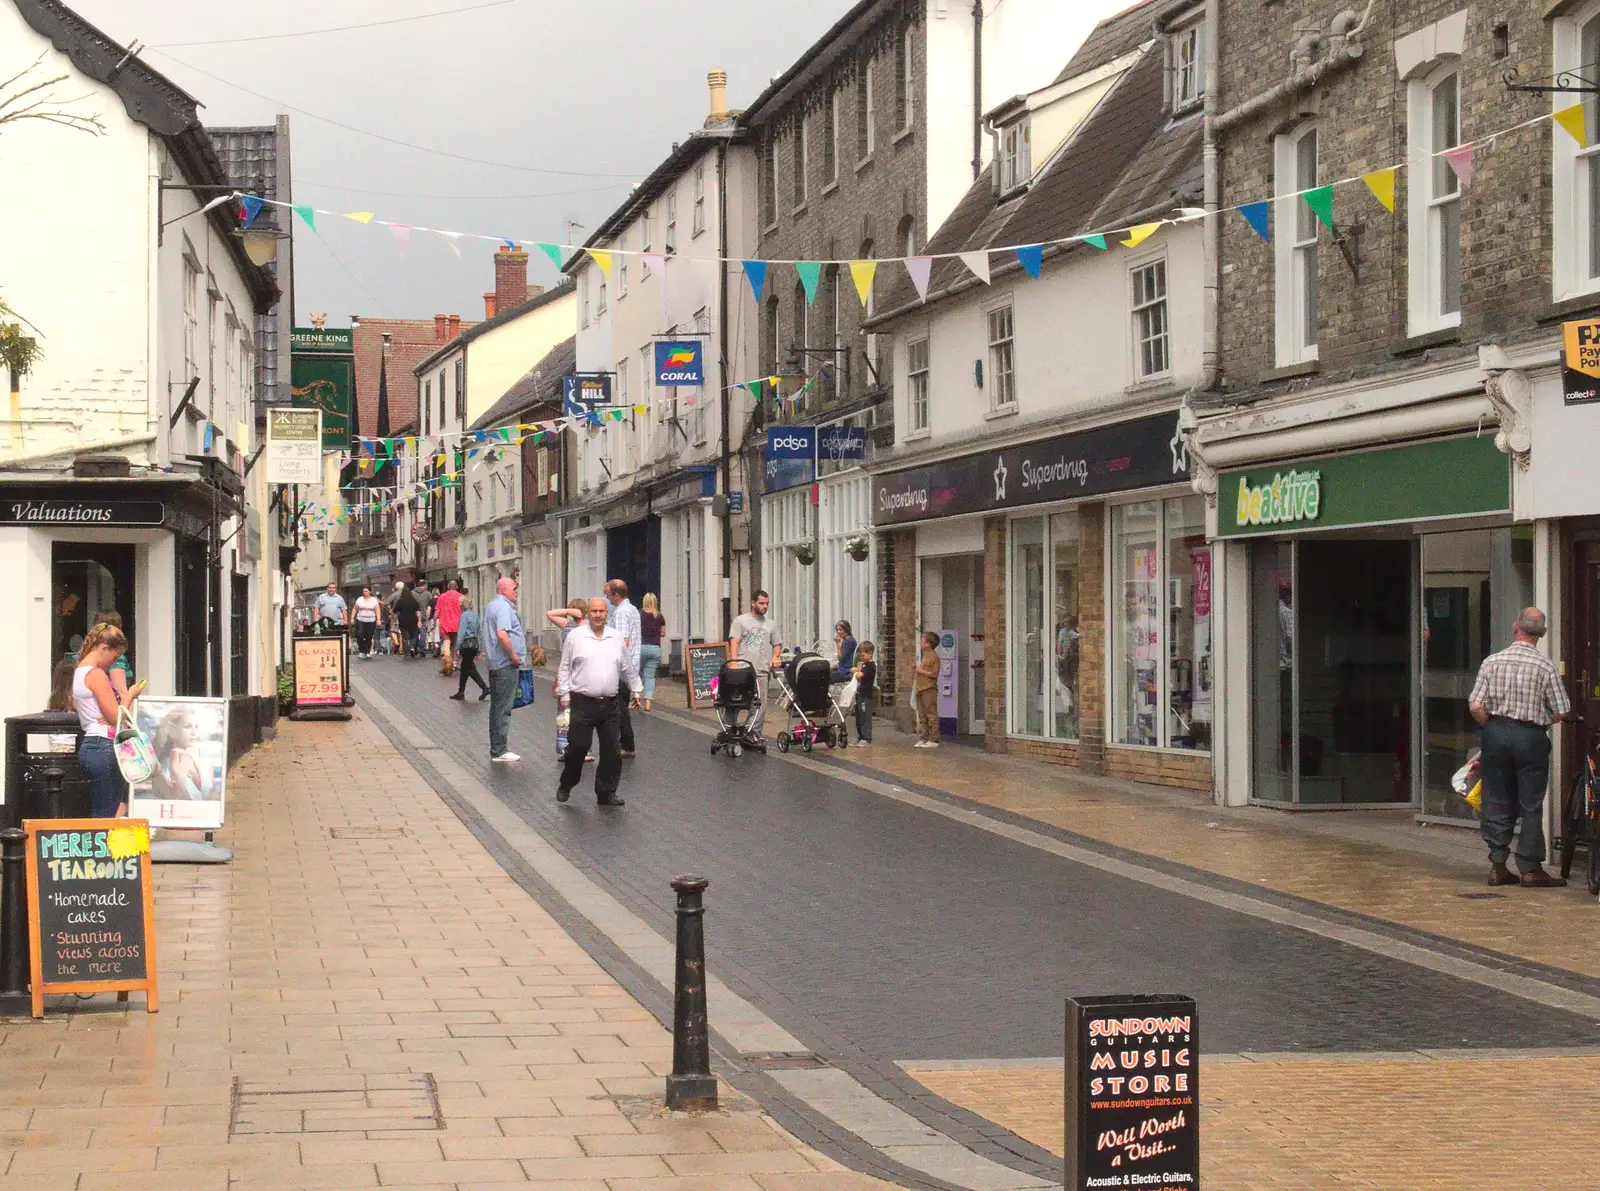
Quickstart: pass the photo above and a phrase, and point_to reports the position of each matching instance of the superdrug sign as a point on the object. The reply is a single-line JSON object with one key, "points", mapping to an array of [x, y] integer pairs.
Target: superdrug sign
{"points": [[1117, 458], [85, 513]]}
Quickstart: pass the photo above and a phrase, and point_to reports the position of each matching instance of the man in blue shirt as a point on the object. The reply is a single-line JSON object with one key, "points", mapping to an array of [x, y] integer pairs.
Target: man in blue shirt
{"points": [[331, 605], [504, 648]]}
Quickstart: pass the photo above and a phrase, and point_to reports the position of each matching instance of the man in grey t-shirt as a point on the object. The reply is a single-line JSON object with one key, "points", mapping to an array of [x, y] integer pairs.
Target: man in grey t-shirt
{"points": [[755, 639]]}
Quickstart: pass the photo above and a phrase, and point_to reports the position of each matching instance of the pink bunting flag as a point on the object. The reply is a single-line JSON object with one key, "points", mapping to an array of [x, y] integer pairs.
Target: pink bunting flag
{"points": [[920, 268], [1460, 159], [654, 262], [401, 233]]}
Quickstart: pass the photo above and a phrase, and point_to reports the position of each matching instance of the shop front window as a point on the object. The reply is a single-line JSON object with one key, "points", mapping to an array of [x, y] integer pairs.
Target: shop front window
{"points": [[1161, 628], [1044, 649], [1027, 642], [1064, 566], [86, 580]]}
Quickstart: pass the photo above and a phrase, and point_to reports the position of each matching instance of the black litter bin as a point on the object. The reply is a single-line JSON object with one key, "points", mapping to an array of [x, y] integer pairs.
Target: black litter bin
{"points": [[35, 743]]}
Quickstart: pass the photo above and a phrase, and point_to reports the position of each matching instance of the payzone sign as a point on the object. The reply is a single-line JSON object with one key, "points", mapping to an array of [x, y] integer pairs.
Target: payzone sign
{"points": [[680, 362]]}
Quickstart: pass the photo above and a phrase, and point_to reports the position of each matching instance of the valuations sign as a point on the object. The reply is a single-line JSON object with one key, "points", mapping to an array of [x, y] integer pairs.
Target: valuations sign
{"points": [[294, 446], [1133, 1093], [1580, 359], [85, 512], [1137, 454]]}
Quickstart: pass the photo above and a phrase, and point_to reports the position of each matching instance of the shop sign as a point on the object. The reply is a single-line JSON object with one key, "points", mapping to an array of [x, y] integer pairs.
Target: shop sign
{"points": [[320, 339], [322, 372], [582, 395], [1580, 374], [508, 543], [790, 457], [351, 571], [489, 541], [1456, 477], [1137, 454], [1287, 496], [1132, 1093], [189, 783], [680, 362], [841, 443], [378, 560], [93, 513], [294, 446], [469, 552]]}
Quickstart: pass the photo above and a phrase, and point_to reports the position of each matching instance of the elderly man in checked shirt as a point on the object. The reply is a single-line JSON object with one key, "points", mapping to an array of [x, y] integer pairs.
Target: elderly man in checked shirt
{"points": [[624, 617], [1517, 697]]}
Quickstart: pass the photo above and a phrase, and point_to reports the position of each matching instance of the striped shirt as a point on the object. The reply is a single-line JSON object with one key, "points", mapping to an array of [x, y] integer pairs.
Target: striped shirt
{"points": [[1520, 683]]}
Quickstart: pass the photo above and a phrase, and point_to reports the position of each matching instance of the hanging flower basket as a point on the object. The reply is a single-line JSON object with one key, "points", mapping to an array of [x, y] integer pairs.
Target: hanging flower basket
{"points": [[805, 555], [858, 548]]}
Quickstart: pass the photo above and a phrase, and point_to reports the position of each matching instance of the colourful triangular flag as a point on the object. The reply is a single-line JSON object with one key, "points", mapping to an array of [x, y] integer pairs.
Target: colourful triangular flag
{"points": [[359, 216], [978, 263], [1138, 235], [450, 238], [1381, 183], [601, 258], [1572, 119], [308, 215], [756, 273], [1095, 240], [809, 272], [1320, 200], [862, 273], [754, 386], [401, 233], [1460, 159], [1032, 258], [1255, 214], [920, 269], [553, 251], [249, 207], [654, 262]]}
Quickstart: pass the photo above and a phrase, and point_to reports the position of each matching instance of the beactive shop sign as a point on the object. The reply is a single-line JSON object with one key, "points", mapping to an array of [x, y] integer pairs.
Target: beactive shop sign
{"points": [[1137, 454], [82, 512], [680, 362], [1287, 497]]}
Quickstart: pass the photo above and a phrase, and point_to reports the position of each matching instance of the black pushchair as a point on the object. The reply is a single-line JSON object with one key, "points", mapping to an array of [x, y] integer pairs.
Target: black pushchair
{"points": [[735, 698], [805, 681]]}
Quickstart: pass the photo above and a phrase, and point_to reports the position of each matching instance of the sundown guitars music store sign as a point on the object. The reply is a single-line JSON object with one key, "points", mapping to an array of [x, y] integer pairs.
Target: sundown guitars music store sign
{"points": [[1133, 1093]]}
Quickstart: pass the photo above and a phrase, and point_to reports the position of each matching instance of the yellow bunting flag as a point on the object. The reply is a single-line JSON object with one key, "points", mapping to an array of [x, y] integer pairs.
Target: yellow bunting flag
{"points": [[641, 409], [601, 258], [1381, 183], [359, 216], [1138, 235], [862, 273], [1572, 120]]}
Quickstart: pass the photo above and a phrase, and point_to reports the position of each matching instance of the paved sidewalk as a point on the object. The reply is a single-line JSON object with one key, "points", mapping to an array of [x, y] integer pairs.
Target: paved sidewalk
{"points": [[1378, 863], [365, 998]]}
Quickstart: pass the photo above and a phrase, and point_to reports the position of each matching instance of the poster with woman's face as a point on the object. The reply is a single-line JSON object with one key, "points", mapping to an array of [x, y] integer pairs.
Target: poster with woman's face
{"points": [[189, 741]]}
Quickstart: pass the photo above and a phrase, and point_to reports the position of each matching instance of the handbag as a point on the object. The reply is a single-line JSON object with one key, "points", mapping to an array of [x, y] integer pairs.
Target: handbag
{"points": [[524, 688], [135, 758]]}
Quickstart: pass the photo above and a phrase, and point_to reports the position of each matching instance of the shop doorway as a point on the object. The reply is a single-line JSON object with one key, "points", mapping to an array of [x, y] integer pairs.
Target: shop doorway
{"points": [[952, 599], [1332, 671], [1584, 656], [633, 554], [85, 580]]}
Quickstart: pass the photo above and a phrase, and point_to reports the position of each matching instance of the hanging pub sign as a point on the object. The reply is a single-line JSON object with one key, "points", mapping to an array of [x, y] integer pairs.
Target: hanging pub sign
{"points": [[294, 446], [582, 395], [1580, 360], [1137, 454], [16, 510], [322, 371], [1133, 1093], [680, 362], [790, 457]]}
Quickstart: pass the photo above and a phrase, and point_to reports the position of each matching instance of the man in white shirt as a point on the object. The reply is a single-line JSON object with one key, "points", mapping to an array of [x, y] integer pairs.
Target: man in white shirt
{"points": [[595, 663], [624, 617]]}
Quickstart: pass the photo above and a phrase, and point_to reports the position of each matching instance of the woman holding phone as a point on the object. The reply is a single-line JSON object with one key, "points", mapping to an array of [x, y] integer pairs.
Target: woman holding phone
{"points": [[97, 703]]}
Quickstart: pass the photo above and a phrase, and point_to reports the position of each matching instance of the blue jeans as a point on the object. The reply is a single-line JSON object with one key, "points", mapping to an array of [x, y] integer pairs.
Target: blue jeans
{"points": [[649, 659], [502, 694], [864, 718], [107, 788]]}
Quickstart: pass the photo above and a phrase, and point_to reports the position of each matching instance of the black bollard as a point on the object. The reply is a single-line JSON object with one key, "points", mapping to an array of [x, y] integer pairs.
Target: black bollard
{"points": [[52, 792], [691, 1086], [13, 918]]}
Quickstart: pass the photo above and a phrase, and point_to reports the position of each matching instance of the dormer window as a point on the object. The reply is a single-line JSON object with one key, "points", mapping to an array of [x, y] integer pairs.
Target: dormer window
{"points": [[1016, 155], [1187, 49]]}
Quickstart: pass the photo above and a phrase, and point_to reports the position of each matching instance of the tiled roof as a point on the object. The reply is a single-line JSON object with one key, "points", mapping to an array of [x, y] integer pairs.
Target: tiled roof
{"points": [[541, 384], [411, 340], [1112, 38], [1122, 163]]}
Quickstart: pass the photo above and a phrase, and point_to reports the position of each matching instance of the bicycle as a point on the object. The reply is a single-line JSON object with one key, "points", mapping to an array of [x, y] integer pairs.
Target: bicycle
{"points": [[1580, 818]]}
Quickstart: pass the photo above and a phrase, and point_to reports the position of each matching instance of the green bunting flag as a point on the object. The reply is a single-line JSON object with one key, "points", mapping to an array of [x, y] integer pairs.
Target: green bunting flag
{"points": [[809, 272], [309, 215], [1320, 201], [553, 251], [1096, 241]]}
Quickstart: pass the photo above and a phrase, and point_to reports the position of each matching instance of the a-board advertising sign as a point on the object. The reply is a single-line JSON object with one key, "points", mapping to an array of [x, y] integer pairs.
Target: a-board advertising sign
{"points": [[319, 671], [680, 362], [294, 446], [1580, 361], [91, 913], [1133, 1093], [701, 662], [189, 737]]}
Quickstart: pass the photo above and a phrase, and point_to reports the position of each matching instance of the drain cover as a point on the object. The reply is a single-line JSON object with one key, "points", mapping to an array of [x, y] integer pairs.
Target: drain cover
{"points": [[1482, 897], [785, 1060], [369, 832], [337, 1104]]}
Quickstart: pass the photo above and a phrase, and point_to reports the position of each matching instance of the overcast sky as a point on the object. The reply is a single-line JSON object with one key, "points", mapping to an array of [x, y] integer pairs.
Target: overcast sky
{"points": [[594, 91]]}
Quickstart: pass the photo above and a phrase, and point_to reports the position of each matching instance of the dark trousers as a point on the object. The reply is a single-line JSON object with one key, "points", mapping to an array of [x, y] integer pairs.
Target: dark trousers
{"points": [[624, 718], [469, 669], [1516, 770], [864, 717], [364, 633], [590, 718]]}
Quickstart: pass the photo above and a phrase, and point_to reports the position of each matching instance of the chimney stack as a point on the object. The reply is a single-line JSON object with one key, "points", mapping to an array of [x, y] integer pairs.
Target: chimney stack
{"points": [[718, 81], [455, 325], [510, 278], [488, 306], [440, 323]]}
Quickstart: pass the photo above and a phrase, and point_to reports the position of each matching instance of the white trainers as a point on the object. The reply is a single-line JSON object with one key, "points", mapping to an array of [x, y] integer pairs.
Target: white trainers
{"points": [[861, 744], [503, 757]]}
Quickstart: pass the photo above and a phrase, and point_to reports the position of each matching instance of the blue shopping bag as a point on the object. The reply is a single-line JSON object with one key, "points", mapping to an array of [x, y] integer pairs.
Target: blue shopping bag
{"points": [[524, 688]]}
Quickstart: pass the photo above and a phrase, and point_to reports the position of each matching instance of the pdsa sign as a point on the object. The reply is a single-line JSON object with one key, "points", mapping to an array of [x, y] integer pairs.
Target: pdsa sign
{"points": [[790, 458], [680, 362]]}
